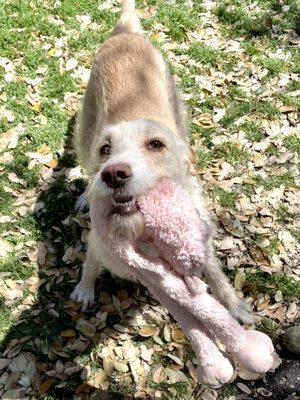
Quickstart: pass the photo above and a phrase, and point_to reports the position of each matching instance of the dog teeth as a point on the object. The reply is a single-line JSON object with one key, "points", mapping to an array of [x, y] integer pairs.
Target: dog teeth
{"points": [[127, 204]]}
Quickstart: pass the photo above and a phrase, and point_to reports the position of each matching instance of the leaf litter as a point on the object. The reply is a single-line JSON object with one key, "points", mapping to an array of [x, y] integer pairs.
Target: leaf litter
{"points": [[127, 338]]}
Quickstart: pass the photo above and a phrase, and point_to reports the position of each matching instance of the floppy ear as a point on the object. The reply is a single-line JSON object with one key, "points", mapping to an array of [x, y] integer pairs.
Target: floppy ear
{"points": [[190, 160], [187, 157], [193, 161]]}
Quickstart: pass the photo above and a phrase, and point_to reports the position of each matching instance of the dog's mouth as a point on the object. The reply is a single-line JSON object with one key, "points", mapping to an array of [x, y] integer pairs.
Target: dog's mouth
{"points": [[124, 204]]}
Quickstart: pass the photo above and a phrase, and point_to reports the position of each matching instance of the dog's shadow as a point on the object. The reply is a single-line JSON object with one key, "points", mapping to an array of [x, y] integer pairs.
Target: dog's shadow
{"points": [[47, 333]]}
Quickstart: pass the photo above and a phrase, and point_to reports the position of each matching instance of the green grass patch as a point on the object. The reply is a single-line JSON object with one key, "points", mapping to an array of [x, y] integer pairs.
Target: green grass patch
{"points": [[289, 100], [227, 391], [178, 18], [261, 282], [274, 181], [235, 92], [251, 48], [204, 54], [269, 327], [282, 212], [241, 21], [6, 203], [272, 248], [14, 264], [253, 131], [180, 387], [6, 319], [296, 234], [239, 108], [231, 152], [273, 65], [257, 21], [204, 158], [292, 142], [226, 199], [19, 166], [272, 150]]}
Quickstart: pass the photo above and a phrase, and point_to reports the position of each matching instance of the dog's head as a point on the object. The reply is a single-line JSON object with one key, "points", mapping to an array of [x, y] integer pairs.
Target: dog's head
{"points": [[128, 159]]}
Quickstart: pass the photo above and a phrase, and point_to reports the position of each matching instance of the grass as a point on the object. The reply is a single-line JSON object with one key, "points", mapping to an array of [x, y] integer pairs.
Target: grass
{"points": [[180, 387], [292, 142], [282, 212], [253, 131], [16, 266], [262, 282], [269, 327], [231, 152], [203, 158], [122, 390], [258, 20], [225, 198], [178, 18], [274, 181], [274, 66], [228, 390]]}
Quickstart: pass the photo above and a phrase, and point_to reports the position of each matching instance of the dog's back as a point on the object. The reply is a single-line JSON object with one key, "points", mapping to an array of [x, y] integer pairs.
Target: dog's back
{"points": [[133, 79], [129, 81]]}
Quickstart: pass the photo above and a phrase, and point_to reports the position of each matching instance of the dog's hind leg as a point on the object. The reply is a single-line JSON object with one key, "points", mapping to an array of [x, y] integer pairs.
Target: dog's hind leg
{"points": [[129, 20]]}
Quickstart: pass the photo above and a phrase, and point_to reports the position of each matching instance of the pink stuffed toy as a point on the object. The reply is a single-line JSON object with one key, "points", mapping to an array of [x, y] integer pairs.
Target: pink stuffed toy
{"points": [[180, 237]]}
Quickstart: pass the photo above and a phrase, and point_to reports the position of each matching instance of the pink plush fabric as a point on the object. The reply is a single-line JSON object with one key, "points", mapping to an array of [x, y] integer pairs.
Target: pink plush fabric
{"points": [[182, 244], [174, 227]]}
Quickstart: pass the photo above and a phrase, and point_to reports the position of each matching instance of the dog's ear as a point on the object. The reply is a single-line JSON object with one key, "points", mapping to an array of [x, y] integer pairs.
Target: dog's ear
{"points": [[190, 161]]}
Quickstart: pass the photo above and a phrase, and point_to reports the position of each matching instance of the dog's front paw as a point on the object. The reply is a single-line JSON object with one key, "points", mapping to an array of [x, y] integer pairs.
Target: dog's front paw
{"points": [[241, 311], [83, 295]]}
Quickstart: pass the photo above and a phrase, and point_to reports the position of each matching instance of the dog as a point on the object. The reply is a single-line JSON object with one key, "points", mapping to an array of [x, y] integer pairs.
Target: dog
{"points": [[131, 133]]}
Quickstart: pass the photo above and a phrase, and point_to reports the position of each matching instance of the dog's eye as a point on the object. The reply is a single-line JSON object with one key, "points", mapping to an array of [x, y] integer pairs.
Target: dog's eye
{"points": [[105, 149], [155, 145]]}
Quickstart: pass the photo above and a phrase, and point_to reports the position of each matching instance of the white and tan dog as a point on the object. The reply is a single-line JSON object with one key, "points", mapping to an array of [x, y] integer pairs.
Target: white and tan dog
{"points": [[131, 133]]}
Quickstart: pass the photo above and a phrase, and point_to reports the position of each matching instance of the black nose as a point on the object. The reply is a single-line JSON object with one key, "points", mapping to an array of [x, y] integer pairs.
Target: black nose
{"points": [[116, 175]]}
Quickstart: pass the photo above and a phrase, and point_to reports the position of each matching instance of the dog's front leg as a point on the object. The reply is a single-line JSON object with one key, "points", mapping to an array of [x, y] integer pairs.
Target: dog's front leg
{"points": [[84, 291], [225, 293]]}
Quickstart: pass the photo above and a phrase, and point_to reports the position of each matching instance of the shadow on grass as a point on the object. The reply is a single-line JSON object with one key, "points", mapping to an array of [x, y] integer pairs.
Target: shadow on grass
{"points": [[38, 331]]}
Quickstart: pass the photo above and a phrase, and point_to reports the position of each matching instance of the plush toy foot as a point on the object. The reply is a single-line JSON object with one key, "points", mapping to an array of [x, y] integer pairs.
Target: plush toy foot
{"points": [[216, 375], [257, 352]]}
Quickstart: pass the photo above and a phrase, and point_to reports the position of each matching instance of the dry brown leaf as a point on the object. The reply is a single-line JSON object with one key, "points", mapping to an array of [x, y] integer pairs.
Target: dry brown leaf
{"points": [[45, 386], [68, 333], [177, 334], [148, 330], [86, 327]]}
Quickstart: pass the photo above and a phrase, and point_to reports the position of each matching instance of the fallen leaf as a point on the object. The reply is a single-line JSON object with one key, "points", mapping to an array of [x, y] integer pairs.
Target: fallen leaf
{"points": [[86, 327], [147, 331], [45, 386], [68, 333], [71, 64]]}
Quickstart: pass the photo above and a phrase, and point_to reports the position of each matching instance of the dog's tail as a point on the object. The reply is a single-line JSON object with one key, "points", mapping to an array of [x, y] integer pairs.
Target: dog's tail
{"points": [[129, 20]]}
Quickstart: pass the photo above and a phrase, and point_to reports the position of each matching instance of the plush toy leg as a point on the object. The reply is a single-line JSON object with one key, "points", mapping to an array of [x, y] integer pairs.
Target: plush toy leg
{"points": [[207, 310], [254, 350], [213, 368], [257, 352]]}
